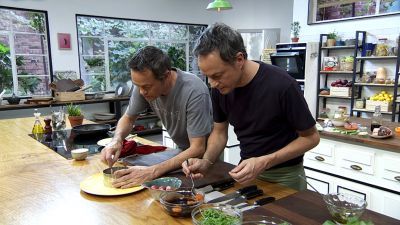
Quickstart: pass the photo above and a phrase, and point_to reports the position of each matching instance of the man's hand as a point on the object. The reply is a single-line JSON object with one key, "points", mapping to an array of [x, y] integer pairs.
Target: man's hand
{"points": [[198, 167], [111, 152], [248, 169], [133, 176]]}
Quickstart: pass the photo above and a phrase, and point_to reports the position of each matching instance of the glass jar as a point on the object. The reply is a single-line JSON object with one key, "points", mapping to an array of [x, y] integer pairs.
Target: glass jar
{"points": [[360, 103], [382, 48]]}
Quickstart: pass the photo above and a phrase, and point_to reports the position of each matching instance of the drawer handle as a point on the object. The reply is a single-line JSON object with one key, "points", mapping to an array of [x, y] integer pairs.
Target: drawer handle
{"points": [[356, 167], [319, 158], [397, 178]]}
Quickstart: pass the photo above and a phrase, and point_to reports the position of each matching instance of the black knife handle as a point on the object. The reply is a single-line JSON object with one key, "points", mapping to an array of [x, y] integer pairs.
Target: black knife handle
{"points": [[247, 189], [264, 201], [253, 193], [224, 186]]}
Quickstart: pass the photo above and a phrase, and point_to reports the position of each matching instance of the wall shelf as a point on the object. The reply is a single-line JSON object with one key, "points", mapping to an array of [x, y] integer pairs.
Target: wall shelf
{"points": [[332, 96], [337, 72], [370, 111], [376, 57], [374, 85]]}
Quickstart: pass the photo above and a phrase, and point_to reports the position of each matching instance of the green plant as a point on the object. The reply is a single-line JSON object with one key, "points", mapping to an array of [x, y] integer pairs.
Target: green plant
{"points": [[6, 79], [28, 84], [178, 57], [74, 110], [332, 35], [349, 59], [92, 62], [295, 27]]}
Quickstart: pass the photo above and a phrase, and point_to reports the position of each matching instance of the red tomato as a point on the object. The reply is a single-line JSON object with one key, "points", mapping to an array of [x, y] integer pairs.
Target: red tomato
{"points": [[161, 188], [154, 187]]}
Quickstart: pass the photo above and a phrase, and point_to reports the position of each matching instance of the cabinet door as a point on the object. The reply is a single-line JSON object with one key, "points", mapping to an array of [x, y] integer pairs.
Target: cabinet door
{"points": [[391, 205], [323, 183]]}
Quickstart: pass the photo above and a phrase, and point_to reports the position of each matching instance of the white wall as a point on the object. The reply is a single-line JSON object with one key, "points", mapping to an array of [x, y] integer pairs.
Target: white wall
{"points": [[383, 26], [260, 14]]}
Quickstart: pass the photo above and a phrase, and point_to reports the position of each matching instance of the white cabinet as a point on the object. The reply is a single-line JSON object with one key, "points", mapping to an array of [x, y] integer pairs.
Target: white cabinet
{"points": [[373, 174]]}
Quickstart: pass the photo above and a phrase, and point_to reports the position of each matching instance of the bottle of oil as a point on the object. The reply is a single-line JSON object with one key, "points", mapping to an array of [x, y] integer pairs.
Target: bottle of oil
{"points": [[376, 120], [37, 129]]}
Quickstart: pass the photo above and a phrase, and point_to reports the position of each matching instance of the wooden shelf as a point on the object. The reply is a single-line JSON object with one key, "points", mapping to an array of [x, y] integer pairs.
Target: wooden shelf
{"points": [[337, 72], [376, 57], [332, 96], [374, 85], [339, 47], [369, 111]]}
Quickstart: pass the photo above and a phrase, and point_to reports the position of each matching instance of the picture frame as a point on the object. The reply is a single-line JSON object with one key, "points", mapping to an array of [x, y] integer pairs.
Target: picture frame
{"points": [[64, 41]]}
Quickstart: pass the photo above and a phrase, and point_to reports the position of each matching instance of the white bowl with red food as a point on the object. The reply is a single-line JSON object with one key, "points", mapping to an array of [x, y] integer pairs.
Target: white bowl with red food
{"points": [[164, 184], [350, 126]]}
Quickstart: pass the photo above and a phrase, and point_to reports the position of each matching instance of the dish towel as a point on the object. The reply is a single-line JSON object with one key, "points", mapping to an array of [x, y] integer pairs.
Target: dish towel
{"points": [[131, 147]]}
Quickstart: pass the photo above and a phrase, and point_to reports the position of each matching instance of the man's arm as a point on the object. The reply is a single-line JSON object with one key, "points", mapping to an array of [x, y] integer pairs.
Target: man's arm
{"points": [[111, 152], [215, 145], [250, 168]]}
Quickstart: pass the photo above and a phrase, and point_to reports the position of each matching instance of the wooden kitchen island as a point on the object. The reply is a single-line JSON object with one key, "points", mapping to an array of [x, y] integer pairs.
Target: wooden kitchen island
{"points": [[38, 186]]}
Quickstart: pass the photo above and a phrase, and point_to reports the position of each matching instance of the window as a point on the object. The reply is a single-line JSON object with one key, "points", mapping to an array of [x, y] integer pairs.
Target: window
{"points": [[25, 63], [331, 10], [107, 44]]}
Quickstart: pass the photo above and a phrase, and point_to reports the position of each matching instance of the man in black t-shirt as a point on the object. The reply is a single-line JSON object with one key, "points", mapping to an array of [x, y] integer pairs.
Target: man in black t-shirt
{"points": [[264, 105]]}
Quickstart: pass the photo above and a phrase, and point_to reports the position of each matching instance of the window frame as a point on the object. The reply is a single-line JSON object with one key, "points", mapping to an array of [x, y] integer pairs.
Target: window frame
{"points": [[12, 35], [149, 40], [312, 14]]}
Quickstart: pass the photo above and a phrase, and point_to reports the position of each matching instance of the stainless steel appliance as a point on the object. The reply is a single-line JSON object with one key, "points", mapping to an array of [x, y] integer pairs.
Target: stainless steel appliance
{"points": [[292, 58]]}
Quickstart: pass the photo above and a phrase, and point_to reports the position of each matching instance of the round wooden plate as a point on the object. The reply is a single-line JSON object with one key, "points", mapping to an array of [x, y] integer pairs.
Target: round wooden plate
{"points": [[94, 185]]}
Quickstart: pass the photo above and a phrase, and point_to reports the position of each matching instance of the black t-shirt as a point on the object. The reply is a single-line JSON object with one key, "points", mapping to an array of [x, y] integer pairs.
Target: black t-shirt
{"points": [[266, 113]]}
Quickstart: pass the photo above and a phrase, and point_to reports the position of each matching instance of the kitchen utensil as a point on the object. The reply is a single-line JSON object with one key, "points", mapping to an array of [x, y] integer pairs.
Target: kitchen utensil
{"points": [[261, 220], [94, 185], [92, 129], [236, 194], [109, 176], [245, 196], [256, 204], [228, 212], [190, 174], [154, 186]]}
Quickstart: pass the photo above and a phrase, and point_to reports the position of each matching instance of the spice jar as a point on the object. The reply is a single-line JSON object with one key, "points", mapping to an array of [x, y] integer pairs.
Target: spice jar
{"points": [[382, 48]]}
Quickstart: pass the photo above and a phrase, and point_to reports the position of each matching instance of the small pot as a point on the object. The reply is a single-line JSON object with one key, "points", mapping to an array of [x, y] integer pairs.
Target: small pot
{"points": [[13, 100], [295, 39], [75, 120], [330, 42]]}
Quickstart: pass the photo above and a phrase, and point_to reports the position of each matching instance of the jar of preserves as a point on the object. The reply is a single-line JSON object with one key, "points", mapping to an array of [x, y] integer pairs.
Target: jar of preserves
{"points": [[382, 48]]}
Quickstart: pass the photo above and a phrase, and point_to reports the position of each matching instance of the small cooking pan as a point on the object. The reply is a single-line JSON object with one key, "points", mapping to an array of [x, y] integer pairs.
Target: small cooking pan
{"points": [[92, 129]]}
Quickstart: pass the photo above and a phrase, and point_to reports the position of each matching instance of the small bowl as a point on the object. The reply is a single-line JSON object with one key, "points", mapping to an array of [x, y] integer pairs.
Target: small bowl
{"points": [[227, 210], [80, 153], [180, 203], [154, 186], [338, 122], [259, 220], [108, 175], [344, 207]]}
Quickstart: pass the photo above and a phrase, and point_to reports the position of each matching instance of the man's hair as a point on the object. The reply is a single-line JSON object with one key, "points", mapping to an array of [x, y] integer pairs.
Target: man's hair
{"points": [[153, 59], [227, 41]]}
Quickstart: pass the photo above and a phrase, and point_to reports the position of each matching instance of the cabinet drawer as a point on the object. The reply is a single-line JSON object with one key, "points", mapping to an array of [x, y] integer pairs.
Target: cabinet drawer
{"points": [[391, 169], [366, 158], [321, 186], [358, 167], [326, 149], [320, 158]]}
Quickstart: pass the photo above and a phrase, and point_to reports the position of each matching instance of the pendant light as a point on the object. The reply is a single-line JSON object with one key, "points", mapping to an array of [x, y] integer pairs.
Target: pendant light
{"points": [[219, 5]]}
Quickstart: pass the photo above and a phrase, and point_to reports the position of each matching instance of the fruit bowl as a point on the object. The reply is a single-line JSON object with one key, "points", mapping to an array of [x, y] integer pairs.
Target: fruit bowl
{"points": [[344, 207]]}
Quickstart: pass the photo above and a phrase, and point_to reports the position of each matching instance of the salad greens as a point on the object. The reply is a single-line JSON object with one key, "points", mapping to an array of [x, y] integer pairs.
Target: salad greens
{"points": [[217, 217], [350, 222]]}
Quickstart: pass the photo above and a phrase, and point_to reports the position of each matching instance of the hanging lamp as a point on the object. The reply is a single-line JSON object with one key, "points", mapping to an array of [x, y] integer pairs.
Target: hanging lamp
{"points": [[219, 5]]}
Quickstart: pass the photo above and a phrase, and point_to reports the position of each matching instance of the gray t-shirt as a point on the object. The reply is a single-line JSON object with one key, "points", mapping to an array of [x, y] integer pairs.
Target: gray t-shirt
{"points": [[186, 111]]}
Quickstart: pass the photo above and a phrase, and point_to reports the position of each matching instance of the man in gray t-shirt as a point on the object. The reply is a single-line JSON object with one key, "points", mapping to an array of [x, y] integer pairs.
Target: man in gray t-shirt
{"points": [[181, 100]]}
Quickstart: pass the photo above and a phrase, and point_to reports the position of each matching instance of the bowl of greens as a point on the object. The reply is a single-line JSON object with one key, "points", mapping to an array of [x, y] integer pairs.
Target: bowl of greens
{"points": [[216, 214]]}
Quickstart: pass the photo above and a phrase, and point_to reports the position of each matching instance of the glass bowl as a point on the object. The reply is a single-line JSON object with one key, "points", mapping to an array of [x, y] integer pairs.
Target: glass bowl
{"points": [[344, 207], [259, 220], [180, 203], [227, 214], [159, 186]]}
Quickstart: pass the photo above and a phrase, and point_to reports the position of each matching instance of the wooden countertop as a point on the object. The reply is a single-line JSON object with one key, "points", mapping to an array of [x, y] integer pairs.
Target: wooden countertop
{"points": [[390, 144], [39, 186]]}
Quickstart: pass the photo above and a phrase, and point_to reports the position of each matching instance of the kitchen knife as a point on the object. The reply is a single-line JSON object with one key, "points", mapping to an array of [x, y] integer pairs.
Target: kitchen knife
{"points": [[219, 186], [236, 194], [260, 202], [245, 196]]}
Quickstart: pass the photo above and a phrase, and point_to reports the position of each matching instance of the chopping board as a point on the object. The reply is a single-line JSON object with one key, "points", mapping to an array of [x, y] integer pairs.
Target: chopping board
{"points": [[307, 207]]}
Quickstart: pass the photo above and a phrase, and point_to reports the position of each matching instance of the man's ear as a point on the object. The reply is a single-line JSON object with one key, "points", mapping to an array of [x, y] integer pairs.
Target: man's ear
{"points": [[240, 59]]}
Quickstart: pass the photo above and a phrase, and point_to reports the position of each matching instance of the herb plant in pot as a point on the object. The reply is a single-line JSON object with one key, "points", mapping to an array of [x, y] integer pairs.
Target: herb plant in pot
{"points": [[295, 27], [75, 115], [331, 39]]}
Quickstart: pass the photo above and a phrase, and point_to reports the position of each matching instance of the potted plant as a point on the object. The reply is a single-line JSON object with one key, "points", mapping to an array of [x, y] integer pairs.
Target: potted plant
{"points": [[348, 63], [75, 115], [295, 27], [331, 39]]}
